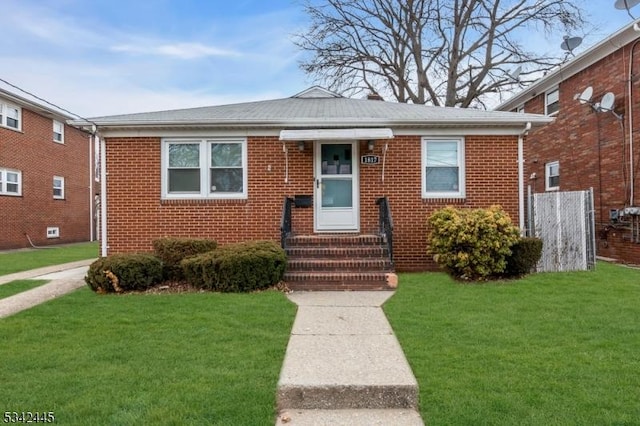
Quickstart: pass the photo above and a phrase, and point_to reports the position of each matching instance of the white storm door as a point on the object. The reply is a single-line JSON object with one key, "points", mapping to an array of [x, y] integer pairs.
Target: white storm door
{"points": [[336, 194]]}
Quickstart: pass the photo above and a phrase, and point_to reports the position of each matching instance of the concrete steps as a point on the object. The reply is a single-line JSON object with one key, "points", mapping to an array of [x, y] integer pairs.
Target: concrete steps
{"points": [[337, 262], [344, 365]]}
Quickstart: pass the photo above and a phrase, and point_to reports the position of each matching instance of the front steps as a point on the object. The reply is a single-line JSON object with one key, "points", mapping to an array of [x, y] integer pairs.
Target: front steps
{"points": [[338, 262]]}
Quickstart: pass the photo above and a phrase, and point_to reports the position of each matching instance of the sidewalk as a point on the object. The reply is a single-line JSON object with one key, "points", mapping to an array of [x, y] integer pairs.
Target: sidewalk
{"points": [[64, 279], [344, 365]]}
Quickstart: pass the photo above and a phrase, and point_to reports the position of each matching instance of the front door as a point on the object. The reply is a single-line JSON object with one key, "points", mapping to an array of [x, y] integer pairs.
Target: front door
{"points": [[336, 193]]}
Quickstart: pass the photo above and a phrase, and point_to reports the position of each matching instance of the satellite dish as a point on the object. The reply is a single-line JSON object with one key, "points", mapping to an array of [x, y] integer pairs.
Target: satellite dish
{"points": [[516, 73], [626, 4], [606, 104], [585, 96], [571, 43]]}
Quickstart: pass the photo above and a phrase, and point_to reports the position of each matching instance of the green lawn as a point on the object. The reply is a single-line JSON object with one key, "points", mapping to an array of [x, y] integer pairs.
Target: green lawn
{"points": [[23, 260], [176, 359], [18, 286], [550, 349]]}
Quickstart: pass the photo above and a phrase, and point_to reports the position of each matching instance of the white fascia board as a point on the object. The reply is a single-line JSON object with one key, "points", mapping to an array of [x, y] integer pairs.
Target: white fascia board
{"points": [[334, 134]]}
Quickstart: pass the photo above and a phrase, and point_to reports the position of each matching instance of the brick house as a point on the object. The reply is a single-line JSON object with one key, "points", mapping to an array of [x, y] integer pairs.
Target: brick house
{"points": [[225, 172], [593, 142], [46, 180]]}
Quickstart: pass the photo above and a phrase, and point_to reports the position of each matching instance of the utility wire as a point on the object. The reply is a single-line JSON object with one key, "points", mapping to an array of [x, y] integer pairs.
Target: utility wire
{"points": [[47, 102]]}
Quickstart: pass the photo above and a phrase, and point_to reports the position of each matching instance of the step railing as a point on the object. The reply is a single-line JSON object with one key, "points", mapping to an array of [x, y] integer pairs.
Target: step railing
{"points": [[285, 221], [385, 221]]}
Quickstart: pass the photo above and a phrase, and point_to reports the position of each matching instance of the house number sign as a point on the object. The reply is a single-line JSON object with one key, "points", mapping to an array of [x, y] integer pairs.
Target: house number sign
{"points": [[370, 159]]}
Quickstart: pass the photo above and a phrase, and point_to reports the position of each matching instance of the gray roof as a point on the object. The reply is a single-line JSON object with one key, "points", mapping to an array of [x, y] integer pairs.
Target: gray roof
{"points": [[318, 108]]}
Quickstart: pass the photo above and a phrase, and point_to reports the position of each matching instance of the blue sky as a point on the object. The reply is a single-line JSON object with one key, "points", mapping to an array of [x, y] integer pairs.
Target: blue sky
{"points": [[102, 57]]}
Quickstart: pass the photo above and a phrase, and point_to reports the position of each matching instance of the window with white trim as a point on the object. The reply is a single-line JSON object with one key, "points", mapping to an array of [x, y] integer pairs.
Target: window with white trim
{"points": [[10, 116], [552, 176], [552, 101], [58, 131], [10, 182], [58, 187], [204, 168], [443, 168]]}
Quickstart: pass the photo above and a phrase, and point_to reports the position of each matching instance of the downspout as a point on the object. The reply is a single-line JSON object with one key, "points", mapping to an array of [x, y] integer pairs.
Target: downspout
{"points": [[630, 119], [521, 176], [91, 179], [103, 197]]}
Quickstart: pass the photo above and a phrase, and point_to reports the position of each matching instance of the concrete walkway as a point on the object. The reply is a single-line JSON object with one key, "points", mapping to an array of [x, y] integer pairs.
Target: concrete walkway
{"points": [[344, 365], [63, 279]]}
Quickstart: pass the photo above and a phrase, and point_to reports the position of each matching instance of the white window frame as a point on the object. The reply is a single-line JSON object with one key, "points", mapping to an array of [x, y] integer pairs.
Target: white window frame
{"points": [[61, 133], [60, 187], [547, 176], [460, 193], [555, 91], [4, 119], [204, 167], [520, 109], [4, 181]]}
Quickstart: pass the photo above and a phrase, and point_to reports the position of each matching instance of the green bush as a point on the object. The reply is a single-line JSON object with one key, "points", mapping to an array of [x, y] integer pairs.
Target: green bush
{"points": [[124, 272], [525, 254], [472, 244], [171, 251], [237, 267]]}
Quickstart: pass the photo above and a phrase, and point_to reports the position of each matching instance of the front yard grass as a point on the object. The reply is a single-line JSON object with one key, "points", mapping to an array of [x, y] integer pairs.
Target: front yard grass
{"points": [[560, 349], [191, 358], [23, 260], [18, 286]]}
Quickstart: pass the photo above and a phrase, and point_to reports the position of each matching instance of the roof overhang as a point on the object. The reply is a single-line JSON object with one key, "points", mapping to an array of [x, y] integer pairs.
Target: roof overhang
{"points": [[334, 134]]}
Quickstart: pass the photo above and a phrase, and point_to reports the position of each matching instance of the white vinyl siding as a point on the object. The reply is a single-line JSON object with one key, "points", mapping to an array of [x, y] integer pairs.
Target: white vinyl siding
{"points": [[204, 169], [443, 173]]}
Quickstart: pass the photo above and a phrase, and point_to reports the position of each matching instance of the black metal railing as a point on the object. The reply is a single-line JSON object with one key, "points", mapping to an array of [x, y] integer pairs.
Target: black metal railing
{"points": [[385, 221], [285, 221]]}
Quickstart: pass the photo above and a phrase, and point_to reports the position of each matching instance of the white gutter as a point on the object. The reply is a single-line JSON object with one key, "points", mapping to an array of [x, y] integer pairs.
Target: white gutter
{"points": [[521, 176], [103, 198]]}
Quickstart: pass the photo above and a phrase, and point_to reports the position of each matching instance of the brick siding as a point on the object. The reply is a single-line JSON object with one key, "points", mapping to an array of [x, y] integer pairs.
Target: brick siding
{"points": [[592, 148], [33, 152], [137, 214]]}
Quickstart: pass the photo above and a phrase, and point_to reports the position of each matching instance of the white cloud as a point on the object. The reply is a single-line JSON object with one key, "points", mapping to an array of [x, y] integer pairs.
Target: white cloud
{"points": [[176, 50]]}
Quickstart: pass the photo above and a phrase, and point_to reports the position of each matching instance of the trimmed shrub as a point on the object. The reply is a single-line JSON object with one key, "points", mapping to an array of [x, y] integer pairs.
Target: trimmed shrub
{"points": [[472, 244], [237, 267], [171, 251], [124, 272], [525, 254]]}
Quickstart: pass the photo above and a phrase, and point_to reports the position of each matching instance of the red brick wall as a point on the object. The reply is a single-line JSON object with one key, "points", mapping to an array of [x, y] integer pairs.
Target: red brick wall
{"points": [[592, 148], [33, 152], [137, 215]]}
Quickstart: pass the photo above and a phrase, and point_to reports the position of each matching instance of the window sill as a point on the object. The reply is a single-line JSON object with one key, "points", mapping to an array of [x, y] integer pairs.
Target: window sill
{"points": [[196, 201], [2, 194]]}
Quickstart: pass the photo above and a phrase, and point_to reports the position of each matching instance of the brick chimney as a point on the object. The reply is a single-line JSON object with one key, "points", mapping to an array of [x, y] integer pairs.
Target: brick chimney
{"points": [[373, 96]]}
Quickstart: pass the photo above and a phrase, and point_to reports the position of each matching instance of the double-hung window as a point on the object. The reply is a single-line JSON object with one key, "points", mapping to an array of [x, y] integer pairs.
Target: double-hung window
{"points": [[58, 131], [206, 168], [10, 182], [552, 176], [58, 188], [552, 101], [10, 116], [443, 168]]}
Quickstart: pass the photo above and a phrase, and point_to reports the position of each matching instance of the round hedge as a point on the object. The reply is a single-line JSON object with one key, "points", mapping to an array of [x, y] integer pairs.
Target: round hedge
{"points": [[124, 272]]}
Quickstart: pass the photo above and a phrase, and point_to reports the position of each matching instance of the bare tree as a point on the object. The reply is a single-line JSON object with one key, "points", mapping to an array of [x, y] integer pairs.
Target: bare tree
{"points": [[440, 52]]}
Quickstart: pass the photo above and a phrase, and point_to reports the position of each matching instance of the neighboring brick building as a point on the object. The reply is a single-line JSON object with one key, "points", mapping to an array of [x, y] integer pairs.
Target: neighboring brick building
{"points": [[588, 146], [223, 172], [45, 176]]}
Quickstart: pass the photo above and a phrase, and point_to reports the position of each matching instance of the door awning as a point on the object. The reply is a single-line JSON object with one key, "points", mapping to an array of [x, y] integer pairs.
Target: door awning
{"points": [[333, 134]]}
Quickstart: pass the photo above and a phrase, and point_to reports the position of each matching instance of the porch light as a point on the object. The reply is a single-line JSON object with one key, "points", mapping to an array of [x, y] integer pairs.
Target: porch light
{"points": [[371, 144], [301, 145]]}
